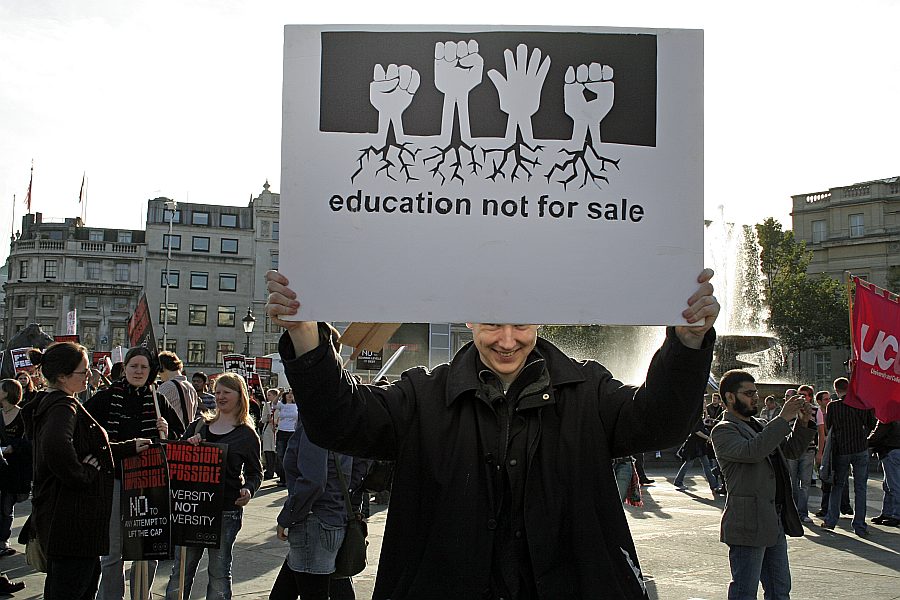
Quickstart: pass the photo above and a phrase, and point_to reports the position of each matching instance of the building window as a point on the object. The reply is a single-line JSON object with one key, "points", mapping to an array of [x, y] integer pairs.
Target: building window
{"points": [[226, 220], [92, 302], [95, 235], [89, 336], [175, 240], [226, 316], [271, 347], [196, 351], [857, 227], [23, 269], [271, 327], [48, 300], [223, 348], [227, 282], [171, 345], [175, 215], [55, 235], [818, 231], [199, 281], [92, 270], [197, 314], [21, 301], [123, 272], [50, 329], [200, 218], [173, 277], [229, 246], [49, 268], [118, 336], [120, 303], [124, 237], [264, 228], [173, 313], [275, 260], [274, 230], [200, 244]]}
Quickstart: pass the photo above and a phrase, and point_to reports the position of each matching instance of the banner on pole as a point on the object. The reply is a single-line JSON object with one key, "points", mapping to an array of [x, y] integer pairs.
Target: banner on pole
{"points": [[197, 490], [67, 338], [146, 518], [140, 327], [875, 379], [72, 322]]}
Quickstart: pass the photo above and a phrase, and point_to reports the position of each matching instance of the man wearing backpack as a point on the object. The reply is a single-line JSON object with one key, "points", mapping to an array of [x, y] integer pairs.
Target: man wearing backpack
{"points": [[180, 394]]}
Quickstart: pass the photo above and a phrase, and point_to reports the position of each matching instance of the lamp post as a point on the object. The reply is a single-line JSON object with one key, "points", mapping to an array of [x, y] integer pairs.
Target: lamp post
{"points": [[170, 206], [248, 322]]}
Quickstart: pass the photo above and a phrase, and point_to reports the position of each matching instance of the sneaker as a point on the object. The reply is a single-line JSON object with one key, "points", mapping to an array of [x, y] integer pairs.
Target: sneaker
{"points": [[4, 552], [863, 533], [680, 487], [647, 481], [891, 522], [806, 519], [879, 519], [821, 514], [825, 525]]}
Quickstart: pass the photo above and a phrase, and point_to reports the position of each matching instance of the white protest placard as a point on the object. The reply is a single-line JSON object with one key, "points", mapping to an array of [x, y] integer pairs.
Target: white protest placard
{"points": [[492, 174]]}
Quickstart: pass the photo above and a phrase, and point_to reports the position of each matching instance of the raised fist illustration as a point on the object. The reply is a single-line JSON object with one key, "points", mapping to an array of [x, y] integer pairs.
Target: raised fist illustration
{"points": [[520, 90], [391, 93], [588, 94], [458, 68]]}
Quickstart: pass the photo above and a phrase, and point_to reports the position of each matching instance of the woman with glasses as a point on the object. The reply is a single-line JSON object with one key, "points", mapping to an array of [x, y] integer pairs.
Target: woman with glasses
{"points": [[126, 410], [73, 475]]}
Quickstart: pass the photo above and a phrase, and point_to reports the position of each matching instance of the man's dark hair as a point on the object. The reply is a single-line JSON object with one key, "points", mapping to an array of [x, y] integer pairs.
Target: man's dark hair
{"points": [[117, 370], [820, 395], [732, 380], [841, 385], [170, 361], [201, 375]]}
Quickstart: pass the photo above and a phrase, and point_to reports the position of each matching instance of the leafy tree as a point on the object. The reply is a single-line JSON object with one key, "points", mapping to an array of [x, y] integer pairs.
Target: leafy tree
{"points": [[806, 311]]}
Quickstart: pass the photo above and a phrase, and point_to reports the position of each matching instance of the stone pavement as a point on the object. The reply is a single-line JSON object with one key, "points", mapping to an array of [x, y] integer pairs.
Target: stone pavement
{"points": [[676, 534]]}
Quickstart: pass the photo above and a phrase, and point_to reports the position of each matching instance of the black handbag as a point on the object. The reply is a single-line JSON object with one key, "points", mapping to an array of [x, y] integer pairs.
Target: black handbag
{"points": [[351, 556]]}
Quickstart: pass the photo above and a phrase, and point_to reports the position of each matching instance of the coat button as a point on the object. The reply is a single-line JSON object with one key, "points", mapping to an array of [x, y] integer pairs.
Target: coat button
{"points": [[518, 534], [103, 447], [513, 462], [492, 524], [546, 396]]}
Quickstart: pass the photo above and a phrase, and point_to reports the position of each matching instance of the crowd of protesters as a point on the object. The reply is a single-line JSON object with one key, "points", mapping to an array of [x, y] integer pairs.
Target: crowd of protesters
{"points": [[68, 428]]}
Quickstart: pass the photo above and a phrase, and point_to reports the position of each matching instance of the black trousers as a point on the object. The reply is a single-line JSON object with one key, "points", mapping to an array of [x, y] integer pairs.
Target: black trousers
{"points": [[71, 578]]}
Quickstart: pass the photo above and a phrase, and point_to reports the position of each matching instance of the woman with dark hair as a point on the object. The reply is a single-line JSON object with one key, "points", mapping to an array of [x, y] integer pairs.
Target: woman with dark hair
{"points": [[15, 478], [126, 409], [285, 424], [231, 425], [73, 475], [28, 388]]}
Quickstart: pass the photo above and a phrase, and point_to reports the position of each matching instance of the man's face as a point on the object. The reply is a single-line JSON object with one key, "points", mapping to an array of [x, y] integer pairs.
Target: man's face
{"points": [[716, 399], [746, 399], [825, 399], [807, 395], [199, 384], [503, 348]]}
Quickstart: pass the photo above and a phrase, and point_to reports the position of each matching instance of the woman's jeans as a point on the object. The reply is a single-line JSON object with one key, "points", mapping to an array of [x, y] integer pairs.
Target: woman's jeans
{"points": [[219, 568]]}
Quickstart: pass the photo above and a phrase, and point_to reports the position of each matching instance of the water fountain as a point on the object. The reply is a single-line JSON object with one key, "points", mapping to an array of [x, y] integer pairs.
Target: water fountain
{"points": [[743, 340]]}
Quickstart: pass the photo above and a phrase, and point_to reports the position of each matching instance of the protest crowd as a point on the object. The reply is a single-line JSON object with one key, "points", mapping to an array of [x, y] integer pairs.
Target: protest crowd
{"points": [[461, 447]]}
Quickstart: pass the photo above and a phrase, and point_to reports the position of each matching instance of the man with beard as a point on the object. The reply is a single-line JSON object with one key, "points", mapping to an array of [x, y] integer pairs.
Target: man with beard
{"points": [[752, 456]]}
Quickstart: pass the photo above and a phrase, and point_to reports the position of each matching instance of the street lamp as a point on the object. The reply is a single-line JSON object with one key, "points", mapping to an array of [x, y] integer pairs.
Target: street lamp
{"points": [[170, 205], [248, 322]]}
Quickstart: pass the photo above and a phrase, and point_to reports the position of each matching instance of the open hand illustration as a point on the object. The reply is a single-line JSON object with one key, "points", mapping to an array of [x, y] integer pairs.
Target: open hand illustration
{"points": [[391, 93], [520, 90], [588, 93]]}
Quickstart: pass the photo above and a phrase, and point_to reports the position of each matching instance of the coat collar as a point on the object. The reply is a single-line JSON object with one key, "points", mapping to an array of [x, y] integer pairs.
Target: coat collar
{"points": [[463, 375], [742, 424]]}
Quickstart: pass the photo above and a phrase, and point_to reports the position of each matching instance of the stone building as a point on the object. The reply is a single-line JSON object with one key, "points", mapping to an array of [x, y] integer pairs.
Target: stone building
{"points": [[57, 266], [853, 228]]}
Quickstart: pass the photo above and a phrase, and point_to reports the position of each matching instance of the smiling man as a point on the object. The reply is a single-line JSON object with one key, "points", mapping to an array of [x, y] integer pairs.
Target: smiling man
{"points": [[502, 486]]}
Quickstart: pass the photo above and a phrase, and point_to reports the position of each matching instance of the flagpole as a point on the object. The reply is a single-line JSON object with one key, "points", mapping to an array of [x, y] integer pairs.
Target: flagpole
{"points": [[850, 307], [12, 224]]}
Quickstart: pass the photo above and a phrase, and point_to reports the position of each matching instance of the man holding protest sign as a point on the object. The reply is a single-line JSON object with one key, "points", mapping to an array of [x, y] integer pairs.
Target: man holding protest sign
{"points": [[510, 418]]}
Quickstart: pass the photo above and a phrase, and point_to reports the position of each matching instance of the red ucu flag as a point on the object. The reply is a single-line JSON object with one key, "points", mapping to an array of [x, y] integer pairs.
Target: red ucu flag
{"points": [[875, 381]]}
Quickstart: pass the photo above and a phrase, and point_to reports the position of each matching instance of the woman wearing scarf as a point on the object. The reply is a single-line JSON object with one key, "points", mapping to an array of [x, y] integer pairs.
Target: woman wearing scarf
{"points": [[126, 410]]}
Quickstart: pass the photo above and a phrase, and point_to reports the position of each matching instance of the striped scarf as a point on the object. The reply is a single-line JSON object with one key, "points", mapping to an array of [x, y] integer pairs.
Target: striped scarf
{"points": [[131, 412]]}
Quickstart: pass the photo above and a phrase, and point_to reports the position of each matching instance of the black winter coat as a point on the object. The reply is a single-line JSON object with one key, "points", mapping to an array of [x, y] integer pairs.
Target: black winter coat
{"points": [[440, 533], [72, 500]]}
